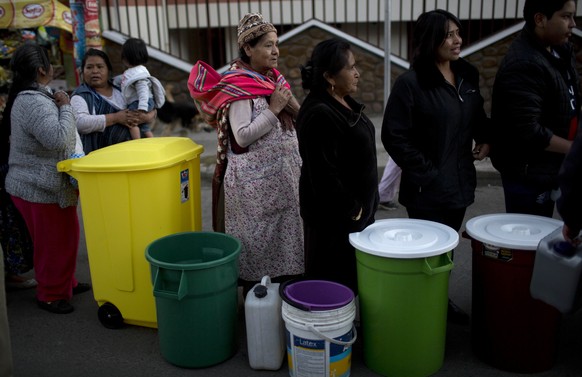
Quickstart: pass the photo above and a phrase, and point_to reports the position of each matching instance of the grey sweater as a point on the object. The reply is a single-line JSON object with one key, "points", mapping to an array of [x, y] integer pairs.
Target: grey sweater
{"points": [[41, 135]]}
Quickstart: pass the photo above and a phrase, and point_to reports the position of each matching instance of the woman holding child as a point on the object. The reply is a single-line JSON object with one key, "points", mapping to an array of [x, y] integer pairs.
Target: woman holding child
{"points": [[100, 108]]}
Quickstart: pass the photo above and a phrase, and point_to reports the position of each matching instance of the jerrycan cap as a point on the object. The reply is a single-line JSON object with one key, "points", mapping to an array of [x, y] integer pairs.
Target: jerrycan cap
{"points": [[260, 291], [564, 248]]}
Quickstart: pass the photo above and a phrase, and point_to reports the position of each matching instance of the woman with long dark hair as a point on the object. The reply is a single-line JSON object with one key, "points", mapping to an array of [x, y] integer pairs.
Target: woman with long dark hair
{"points": [[43, 132], [434, 113]]}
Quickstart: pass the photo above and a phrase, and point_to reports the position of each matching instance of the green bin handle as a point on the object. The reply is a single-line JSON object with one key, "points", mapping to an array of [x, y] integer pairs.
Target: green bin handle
{"points": [[427, 269], [160, 292]]}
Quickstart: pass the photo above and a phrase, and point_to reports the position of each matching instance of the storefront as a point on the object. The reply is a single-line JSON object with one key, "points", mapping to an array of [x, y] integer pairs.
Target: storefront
{"points": [[47, 22]]}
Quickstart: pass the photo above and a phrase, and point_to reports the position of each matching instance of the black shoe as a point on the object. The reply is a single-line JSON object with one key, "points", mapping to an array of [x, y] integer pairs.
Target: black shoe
{"points": [[57, 307], [81, 287], [456, 315]]}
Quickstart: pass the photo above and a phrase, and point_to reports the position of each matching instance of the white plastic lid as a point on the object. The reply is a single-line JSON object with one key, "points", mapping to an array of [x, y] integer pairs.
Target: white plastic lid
{"points": [[405, 239], [511, 230]]}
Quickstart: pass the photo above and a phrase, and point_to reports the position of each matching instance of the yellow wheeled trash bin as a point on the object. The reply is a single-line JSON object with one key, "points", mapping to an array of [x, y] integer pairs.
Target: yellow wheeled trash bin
{"points": [[131, 194]]}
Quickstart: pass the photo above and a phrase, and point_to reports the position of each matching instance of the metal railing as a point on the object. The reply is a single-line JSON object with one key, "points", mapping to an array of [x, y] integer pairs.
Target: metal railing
{"points": [[206, 29]]}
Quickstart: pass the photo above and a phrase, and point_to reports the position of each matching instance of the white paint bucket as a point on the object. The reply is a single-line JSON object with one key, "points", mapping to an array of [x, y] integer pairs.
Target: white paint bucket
{"points": [[319, 342]]}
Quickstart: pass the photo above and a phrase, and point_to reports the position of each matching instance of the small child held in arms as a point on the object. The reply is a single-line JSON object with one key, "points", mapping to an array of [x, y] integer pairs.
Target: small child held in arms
{"points": [[142, 91]]}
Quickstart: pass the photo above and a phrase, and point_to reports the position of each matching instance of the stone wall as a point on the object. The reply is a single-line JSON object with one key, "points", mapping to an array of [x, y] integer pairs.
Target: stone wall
{"points": [[295, 51]]}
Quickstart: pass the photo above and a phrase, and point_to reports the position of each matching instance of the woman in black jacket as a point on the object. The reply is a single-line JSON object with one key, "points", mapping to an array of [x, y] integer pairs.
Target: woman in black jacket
{"points": [[434, 113], [338, 187]]}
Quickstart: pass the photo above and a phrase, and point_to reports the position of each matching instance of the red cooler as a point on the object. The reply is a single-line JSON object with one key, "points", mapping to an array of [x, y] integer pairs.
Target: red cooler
{"points": [[510, 330]]}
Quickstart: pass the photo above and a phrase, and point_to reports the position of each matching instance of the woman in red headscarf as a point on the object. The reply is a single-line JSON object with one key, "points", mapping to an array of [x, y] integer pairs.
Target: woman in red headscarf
{"points": [[258, 162]]}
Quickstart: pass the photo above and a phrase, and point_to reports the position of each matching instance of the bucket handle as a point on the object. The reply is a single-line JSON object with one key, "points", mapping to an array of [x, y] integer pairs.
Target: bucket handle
{"points": [[335, 341], [427, 269], [174, 295]]}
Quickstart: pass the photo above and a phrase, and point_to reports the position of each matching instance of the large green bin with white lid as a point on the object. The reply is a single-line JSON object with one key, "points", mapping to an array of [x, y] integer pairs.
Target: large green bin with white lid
{"points": [[403, 278]]}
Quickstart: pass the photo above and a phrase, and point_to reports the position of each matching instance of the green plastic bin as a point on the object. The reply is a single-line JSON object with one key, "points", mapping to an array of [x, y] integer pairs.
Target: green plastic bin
{"points": [[194, 275], [403, 278]]}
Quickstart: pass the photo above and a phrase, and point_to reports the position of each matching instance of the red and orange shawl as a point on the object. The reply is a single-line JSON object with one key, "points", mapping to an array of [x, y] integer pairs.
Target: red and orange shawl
{"points": [[213, 93]]}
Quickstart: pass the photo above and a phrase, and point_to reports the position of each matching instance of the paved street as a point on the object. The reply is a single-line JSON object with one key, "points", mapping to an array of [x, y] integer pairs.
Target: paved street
{"points": [[77, 345]]}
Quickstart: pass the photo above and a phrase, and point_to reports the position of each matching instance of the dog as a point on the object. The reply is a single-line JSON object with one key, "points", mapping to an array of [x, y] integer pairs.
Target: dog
{"points": [[175, 114]]}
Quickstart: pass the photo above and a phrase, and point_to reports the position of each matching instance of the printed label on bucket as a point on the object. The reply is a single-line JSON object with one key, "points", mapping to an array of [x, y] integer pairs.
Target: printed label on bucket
{"points": [[184, 185], [494, 252], [317, 357]]}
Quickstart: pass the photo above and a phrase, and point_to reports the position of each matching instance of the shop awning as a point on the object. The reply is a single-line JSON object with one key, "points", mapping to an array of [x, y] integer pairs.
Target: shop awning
{"points": [[24, 14]]}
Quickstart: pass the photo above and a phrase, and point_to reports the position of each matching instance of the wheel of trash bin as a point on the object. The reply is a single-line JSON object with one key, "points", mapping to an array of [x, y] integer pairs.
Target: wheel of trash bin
{"points": [[110, 316]]}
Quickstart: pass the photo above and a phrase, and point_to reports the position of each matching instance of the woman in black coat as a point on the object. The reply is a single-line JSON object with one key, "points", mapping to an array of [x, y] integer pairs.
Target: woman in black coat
{"points": [[434, 113], [338, 188]]}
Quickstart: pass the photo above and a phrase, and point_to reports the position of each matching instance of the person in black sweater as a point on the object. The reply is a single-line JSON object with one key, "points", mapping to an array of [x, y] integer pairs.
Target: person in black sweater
{"points": [[535, 107], [338, 187]]}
